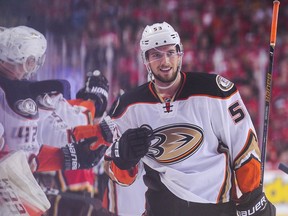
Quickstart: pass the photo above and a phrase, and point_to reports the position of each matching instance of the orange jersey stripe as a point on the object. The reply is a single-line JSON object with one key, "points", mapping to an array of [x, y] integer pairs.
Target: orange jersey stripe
{"points": [[248, 176]]}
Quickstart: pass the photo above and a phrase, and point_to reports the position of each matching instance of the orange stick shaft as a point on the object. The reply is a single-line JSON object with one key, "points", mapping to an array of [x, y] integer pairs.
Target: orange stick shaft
{"points": [[276, 4]]}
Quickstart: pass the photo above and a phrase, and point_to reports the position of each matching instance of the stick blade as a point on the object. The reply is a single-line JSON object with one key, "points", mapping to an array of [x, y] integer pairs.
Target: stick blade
{"points": [[283, 167]]}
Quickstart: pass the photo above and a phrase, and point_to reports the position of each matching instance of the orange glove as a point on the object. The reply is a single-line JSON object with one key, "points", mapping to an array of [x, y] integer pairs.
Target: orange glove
{"points": [[86, 131], [101, 131]]}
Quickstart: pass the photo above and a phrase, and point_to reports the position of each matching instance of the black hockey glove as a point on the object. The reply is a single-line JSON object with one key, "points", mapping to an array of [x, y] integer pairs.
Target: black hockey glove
{"points": [[80, 156], [132, 146], [255, 203], [96, 89]]}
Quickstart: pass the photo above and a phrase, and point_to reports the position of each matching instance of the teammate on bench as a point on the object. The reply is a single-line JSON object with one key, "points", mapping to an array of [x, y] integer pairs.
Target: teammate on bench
{"points": [[22, 53]]}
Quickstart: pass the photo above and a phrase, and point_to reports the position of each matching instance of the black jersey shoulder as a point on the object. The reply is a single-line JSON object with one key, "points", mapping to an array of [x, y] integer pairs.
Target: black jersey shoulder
{"points": [[47, 86], [15, 89], [213, 85], [19, 97], [140, 94]]}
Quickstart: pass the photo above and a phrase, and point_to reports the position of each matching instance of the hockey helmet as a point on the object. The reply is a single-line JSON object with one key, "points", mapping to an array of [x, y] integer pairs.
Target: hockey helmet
{"points": [[23, 46], [156, 35]]}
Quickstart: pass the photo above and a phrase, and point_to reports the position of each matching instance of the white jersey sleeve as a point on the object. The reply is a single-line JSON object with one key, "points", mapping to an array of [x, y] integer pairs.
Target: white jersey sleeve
{"points": [[57, 118]]}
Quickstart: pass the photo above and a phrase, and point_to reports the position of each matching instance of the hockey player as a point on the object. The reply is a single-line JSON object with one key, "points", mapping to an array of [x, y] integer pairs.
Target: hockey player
{"points": [[116, 199], [193, 134], [83, 182], [22, 53], [57, 117]]}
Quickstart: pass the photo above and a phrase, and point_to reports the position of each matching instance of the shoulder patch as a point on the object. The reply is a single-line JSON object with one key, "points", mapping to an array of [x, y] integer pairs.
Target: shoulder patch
{"points": [[223, 83], [26, 108]]}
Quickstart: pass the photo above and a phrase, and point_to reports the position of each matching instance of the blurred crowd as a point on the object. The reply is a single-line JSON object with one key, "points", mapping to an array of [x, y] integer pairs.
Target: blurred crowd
{"points": [[230, 38]]}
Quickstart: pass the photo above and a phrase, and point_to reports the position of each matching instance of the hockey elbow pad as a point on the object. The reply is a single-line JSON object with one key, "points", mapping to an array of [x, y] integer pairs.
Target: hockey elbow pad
{"points": [[255, 203]]}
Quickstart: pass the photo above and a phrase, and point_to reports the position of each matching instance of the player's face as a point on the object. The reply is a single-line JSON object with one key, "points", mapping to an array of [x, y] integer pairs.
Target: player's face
{"points": [[12, 71], [164, 62]]}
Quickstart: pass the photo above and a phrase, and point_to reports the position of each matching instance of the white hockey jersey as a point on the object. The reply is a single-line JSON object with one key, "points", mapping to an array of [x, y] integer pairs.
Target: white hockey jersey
{"points": [[57, 118], [56, 115], [204, 138], [19, 117]]}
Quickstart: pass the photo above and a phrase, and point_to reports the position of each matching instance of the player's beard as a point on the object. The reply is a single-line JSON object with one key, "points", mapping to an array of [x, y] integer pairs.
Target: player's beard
{"points": [[168, 79]]}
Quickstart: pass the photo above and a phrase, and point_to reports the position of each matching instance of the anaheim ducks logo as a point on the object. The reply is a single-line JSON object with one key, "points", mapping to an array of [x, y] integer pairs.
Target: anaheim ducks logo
{"points": [[26, 108], [174, 143], [44, 102]]}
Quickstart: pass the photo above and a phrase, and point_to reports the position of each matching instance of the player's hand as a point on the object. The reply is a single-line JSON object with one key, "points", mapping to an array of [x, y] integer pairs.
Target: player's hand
{"points": [[85, 131], [255, 203], [103, 131], [81, 155], [96, 89], [132, 146]]}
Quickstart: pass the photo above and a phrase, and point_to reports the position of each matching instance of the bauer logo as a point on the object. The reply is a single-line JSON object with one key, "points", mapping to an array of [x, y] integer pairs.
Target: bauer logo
{"points": [[176, 142], [259, 206], [74, 161], [223, 84]]}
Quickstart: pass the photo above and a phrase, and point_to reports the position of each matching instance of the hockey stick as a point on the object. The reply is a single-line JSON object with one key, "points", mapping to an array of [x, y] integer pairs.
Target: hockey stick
{"points": [[96, 203], [268, 86], [283, 167]]}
